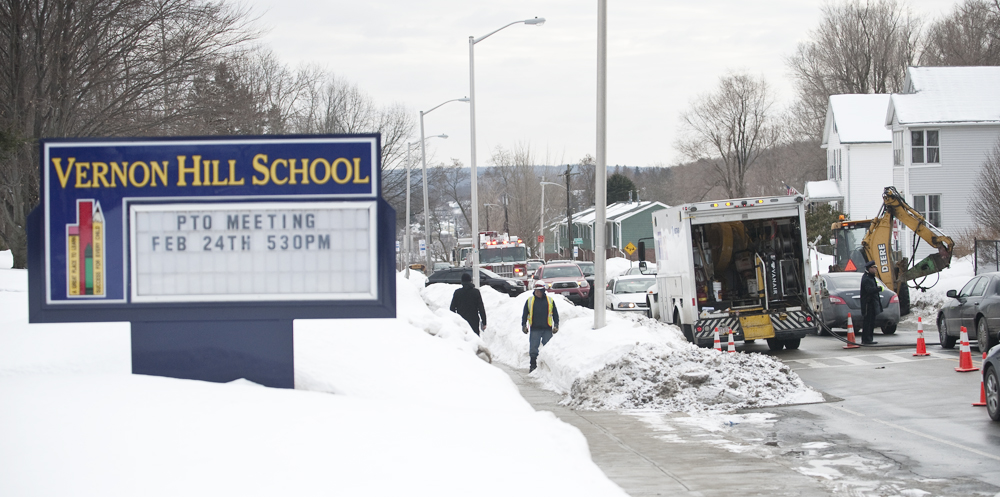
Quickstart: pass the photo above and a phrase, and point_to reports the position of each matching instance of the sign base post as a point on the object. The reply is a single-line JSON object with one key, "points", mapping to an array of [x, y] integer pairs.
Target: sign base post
{"points": [[217, 351]]}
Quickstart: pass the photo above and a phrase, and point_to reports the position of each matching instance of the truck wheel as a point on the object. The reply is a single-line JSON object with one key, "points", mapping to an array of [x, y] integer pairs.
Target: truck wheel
{"points": [[947, 342], [792, 343], [889, 329], [774, 344]]}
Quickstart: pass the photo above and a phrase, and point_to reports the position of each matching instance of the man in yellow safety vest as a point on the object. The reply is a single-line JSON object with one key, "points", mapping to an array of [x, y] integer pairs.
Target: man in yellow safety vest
{"points": [[541, 315]]}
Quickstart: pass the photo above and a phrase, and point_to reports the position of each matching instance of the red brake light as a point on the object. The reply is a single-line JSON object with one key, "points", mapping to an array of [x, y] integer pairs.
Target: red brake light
{"points": [[837, 300], [699, 328], [809, 319], [894, 299]]}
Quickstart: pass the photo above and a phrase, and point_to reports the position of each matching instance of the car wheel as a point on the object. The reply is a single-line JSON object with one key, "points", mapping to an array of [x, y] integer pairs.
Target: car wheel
{"points": [[774, 344], [792, 343], [992, 386], [947, 342], [983, 335], [889, 329]]}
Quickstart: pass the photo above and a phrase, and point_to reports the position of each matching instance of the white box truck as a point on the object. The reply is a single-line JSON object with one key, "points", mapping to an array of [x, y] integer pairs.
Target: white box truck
{"points": [[739, 265]]}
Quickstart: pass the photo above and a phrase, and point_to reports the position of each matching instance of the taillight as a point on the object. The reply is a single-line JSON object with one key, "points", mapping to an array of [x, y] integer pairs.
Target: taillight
{"points": [[837, 300], [894, 299], [699, 328], [809, 319]]}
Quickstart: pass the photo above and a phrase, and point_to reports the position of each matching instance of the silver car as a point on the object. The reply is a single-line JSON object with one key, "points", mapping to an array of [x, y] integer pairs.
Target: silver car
{"points": [[840, 294]]}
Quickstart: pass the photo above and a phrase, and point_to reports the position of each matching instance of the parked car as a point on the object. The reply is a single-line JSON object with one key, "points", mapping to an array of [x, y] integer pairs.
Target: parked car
{"points": [[533, 264], [510, 286], [628, 293], [588, 273], [977, 307], [564, 279], [636, 270], [840, 294], [991, 382]]}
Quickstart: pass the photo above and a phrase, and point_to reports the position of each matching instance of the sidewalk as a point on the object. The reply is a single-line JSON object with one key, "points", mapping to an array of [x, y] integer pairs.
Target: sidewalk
{"points": [[631, 455]]}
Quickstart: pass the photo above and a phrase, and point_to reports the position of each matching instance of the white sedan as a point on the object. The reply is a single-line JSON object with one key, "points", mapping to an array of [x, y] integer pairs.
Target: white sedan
{"points": [[628, 293]]}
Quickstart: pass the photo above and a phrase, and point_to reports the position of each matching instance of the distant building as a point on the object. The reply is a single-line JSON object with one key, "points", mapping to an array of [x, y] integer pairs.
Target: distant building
{"points": [[627, 222]]}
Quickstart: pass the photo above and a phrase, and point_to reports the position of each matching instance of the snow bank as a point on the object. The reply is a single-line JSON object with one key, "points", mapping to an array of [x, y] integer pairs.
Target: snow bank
{"points": [[633, 362], [413, 401], [927, 303]]}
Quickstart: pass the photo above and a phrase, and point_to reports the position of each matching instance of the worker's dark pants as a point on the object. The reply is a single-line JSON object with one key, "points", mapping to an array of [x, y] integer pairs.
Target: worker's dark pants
{"points": [[473, 321], [868, 311], [539, 336]]}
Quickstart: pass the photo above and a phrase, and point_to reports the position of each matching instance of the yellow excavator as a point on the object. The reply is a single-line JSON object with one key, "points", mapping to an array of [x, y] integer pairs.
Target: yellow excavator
{"points": [[858, 242]]}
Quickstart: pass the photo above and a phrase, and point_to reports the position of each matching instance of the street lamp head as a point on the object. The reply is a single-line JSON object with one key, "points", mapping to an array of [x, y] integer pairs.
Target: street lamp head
{"points": [[538, 21], [463, 99]]}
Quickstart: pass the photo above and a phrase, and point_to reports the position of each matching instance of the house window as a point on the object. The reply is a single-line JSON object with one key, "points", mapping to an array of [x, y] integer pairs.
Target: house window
{"points": [[897, 148], [833, 164], [929, 206], [924, 146]]}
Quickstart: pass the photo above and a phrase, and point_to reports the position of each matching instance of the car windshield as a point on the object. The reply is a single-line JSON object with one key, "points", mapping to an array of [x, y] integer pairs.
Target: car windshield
{"points": [[534, 265], [561, 272], [634, 286], [504, 254], [587, 268], [844, 281]]}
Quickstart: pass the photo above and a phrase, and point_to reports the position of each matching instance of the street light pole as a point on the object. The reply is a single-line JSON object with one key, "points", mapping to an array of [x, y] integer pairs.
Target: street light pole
{"points": [[538, 21], [423, 158], [601, 188], [407, 241]]}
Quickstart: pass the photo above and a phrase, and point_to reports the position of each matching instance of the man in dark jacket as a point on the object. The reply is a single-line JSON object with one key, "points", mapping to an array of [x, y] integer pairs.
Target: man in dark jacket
{"points": [[468, 303], [871, 304], [541, 315]]}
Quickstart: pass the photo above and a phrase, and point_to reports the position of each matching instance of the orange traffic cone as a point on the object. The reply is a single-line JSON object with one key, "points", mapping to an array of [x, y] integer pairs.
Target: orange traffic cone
{"points": [[982, 390], [965, 357], [850, 335], [732, 345], [921, 344], [718, 346]]}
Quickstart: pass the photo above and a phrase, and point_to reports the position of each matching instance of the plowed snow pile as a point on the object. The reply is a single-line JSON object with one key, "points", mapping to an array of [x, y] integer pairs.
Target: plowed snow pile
{"points": [[652, 376], [632, 363]]}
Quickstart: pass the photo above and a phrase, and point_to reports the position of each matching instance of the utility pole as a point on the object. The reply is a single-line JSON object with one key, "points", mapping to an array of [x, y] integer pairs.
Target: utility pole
{"points": [[569, 213], [506, 219]]}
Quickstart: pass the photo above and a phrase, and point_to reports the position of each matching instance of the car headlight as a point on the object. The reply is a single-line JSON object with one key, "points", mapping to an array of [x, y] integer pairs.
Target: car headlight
{"points": [[582, 283], [548, 285], [626, 305]]}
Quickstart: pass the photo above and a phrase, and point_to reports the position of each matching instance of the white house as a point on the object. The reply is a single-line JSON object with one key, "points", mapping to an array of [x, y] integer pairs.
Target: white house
{"points": [[944, 125], [858, 154]]}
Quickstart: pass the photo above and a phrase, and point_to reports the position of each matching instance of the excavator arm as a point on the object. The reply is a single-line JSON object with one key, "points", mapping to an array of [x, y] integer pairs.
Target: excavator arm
{"points": [[876, 244]]}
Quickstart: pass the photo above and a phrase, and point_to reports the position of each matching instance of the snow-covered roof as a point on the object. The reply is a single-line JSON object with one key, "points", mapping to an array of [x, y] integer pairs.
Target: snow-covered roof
{"points": [[947, 95], [858, 118], [820, 191], [615, 212]]}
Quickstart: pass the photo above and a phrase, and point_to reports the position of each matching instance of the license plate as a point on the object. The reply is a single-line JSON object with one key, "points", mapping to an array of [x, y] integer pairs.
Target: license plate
{"points": [[567, 293], [756, 327]]}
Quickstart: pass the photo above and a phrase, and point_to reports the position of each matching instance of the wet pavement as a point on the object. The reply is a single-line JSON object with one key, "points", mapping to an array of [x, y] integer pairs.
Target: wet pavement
{"points": [[892, 424]]}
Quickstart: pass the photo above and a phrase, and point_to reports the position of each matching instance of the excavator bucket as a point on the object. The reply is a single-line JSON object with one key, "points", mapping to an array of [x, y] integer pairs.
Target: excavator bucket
{"points": [[929, 265]]}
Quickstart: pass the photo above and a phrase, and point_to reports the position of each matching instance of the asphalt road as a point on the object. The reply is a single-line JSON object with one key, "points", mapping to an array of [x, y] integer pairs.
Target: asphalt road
{"points": [[892, 424]]}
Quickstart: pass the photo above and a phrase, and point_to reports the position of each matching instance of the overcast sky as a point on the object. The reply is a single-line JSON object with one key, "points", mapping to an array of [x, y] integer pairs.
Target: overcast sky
{"points": [[536, 86]]}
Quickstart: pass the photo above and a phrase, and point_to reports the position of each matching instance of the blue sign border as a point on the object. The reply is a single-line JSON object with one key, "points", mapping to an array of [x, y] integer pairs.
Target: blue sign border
{"points": [[41, 309]]}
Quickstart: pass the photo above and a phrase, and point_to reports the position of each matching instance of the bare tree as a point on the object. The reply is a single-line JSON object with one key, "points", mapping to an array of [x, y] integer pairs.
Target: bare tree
{"points": [[730, 129], [96, 68], [859, 47], [986, 195], [512, 182], [969, 36]]}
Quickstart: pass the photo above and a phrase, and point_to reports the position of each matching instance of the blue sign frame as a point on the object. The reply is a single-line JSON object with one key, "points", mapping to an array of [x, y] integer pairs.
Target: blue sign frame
{"points": [[88, 185]]}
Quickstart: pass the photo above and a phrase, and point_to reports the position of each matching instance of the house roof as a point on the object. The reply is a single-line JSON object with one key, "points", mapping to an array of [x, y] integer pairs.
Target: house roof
{"points": [[821, 191], [947, 95], [858, 118], [615, 212]]}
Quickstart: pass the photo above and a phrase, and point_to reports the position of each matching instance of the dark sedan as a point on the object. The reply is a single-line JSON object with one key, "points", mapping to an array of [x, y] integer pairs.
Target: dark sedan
{"points": [[840, 294], [991, 382], [510, 286], [977, 307]]}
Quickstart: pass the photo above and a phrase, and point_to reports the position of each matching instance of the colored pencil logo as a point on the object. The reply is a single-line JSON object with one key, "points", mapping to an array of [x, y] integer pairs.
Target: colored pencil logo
{"points": [[85, 251]]}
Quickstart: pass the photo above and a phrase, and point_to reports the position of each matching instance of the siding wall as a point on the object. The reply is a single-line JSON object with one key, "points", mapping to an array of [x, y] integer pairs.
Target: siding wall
{"points": [[963, 150], [867, 171]]}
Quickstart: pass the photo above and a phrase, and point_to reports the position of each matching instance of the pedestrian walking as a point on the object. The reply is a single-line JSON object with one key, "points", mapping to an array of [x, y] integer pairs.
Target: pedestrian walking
{"points": [[468, 303], [871, 304], [541, 318]]}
